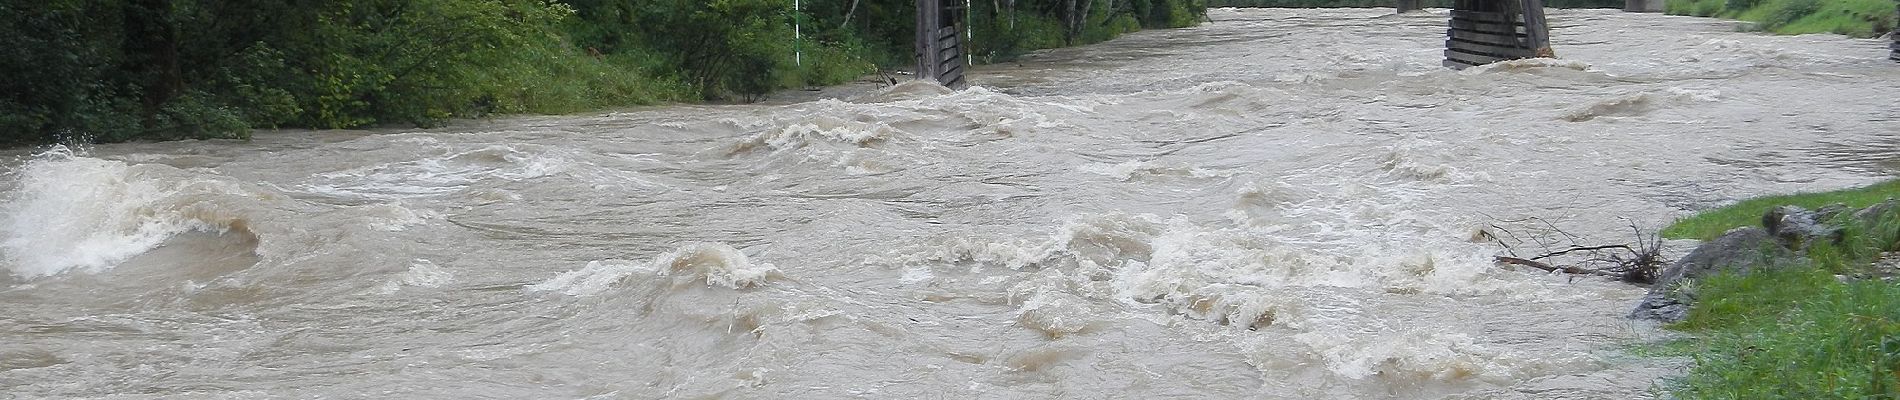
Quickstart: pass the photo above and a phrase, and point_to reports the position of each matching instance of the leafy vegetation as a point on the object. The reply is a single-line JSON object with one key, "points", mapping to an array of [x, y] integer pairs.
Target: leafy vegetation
{"points": [[104, 70], [1857, 18], [1795, 331], [1709, 224]]}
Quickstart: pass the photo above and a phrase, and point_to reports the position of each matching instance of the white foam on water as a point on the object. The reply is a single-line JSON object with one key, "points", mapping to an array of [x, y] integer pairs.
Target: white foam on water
{"points": [[1132, 170], [422, 273], [908, 90], [73, 213], [1248, 276], [1527, 65], [436, 176], [394, 217], [716, 264]]}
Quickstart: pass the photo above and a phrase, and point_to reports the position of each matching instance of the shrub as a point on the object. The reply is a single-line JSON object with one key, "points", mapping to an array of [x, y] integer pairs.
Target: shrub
{"points": [[1790, 11]]}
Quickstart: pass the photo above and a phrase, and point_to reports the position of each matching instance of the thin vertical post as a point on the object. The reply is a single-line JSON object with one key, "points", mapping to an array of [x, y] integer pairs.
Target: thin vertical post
{"points": [[798, 37], [1536, 31], [928, 55]]}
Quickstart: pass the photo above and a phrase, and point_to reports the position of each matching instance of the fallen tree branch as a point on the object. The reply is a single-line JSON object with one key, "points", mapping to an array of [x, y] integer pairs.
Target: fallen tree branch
{"points": [[1585, 248], [1547, 267]]}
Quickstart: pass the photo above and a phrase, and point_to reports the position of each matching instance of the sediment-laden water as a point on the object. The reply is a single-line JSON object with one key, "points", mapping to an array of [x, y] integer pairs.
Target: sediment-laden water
{"points": [[1283, 204]]}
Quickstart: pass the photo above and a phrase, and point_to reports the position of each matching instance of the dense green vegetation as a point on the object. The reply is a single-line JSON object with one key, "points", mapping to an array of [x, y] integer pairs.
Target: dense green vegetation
{"points": [[102, 70], [1709, 224], [1795, 332], [1391, 3], [1857, 18]]}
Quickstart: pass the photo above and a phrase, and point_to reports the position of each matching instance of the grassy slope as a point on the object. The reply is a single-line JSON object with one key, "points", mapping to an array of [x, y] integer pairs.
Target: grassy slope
{"points": [[1708, 224], [1796, 332], [1857, 18]]}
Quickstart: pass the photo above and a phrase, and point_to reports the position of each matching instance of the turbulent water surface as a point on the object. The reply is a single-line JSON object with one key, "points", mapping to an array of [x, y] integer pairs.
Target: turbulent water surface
{"points": [[1282, 204]]}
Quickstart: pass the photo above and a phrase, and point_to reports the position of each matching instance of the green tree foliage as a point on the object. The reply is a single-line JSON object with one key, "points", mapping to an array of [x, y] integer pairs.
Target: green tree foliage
{"points": [[96, 70], [719, 47], [114, 70]]}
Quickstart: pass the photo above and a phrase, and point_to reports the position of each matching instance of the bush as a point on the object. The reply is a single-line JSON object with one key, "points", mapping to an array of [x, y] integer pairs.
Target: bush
{"points": [[1707, 8], [1790, 11], [1740, 4]]}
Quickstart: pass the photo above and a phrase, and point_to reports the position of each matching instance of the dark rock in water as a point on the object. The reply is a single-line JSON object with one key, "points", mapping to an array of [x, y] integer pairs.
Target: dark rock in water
{"points": [[1741, 249]]}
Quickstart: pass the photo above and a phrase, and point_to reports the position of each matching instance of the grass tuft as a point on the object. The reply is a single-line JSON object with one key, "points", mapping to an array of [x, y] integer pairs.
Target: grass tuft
{"points": [[1795, 334], [1794, 331]]}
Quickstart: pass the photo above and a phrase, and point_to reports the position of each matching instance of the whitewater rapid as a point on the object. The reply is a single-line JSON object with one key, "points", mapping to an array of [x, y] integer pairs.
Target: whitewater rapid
{"points": [[1281, 204]]}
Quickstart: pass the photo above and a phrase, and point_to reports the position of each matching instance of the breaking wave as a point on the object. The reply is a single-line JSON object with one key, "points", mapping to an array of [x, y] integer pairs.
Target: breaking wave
{"points": [[713, 263], [72, 213]]}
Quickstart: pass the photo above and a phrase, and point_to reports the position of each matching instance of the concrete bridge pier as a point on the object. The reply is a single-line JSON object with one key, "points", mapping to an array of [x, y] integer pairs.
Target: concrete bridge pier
{"points": [[1488, 31], [940, 42]]}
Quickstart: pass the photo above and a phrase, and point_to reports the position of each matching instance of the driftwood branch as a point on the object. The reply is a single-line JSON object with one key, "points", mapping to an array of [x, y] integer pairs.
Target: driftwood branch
{"points": [[1584, 248], [1637, 262], [1547, 267]]}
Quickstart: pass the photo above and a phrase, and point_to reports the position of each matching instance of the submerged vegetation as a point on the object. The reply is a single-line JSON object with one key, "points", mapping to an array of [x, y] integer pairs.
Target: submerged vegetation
{"points": [[1857, 18], [1824, 326], [102, 70]]}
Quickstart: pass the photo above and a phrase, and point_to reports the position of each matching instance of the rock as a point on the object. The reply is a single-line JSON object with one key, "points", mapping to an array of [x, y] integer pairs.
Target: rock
{"points": [[1784, 236], [1872, 214], [1741, 250], [1795, 227]]}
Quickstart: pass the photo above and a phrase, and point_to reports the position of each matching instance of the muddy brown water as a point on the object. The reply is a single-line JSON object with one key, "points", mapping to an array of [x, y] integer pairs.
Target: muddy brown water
{"points": [[1282, 204]]}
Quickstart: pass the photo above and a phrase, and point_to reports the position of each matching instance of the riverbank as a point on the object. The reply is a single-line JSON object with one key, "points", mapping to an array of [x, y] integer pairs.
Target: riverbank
{"points": [[1855, 18], [1823, 323], [91, 72]]}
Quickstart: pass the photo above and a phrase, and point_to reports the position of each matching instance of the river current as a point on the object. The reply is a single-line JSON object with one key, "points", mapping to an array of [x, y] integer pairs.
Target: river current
{"points": [[1281, 204]]}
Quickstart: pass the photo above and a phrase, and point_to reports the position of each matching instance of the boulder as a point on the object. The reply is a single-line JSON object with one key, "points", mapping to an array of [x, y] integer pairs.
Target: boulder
{"points": [[1741, 249], [1871, 215], [1795, 227], [1784, 237]]}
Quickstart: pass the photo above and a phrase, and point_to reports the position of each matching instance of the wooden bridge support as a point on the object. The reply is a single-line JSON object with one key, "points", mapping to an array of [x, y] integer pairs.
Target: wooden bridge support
{"points": [[940, 42], [1488, 31]]}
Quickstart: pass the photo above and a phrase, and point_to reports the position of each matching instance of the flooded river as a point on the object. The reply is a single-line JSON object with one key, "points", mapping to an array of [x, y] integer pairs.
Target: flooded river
{"points": [[1282, 204]]}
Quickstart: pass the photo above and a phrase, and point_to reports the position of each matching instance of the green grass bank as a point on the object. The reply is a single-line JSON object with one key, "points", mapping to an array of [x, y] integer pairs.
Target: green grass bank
{"points": [[1711, 223], [1796, 331], [1857, 18]]}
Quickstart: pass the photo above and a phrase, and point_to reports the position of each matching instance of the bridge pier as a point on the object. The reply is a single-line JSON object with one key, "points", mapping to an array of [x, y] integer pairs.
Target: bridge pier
{"points": [[940, 42], [1488, 31]]}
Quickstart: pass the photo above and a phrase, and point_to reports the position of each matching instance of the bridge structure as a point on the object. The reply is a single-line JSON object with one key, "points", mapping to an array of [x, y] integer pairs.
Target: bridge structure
{"points": [[1480, 32]]}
